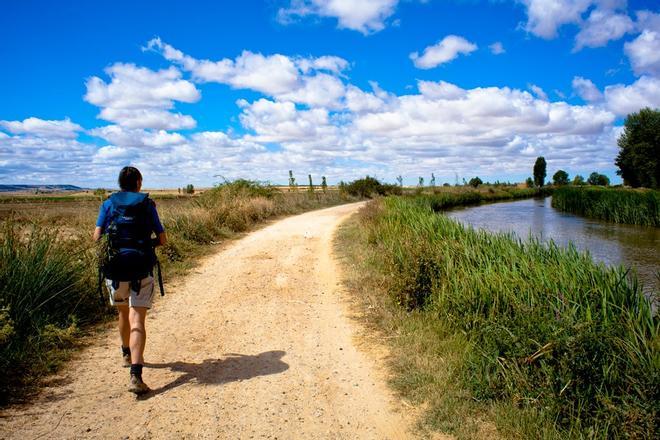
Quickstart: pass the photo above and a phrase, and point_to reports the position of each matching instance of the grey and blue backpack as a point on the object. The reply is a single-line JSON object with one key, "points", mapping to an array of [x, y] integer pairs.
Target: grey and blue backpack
{"points": [[129, 254]]}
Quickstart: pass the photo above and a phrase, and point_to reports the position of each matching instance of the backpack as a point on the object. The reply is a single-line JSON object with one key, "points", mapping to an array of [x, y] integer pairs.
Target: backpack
{"points": [[130, 253]]}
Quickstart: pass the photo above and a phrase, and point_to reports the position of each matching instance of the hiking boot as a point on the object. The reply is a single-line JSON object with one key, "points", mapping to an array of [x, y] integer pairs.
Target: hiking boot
{"points": [[126, 360], [137, 386]]}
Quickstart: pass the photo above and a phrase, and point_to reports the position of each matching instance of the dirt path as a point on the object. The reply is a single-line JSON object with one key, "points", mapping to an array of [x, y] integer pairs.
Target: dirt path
{"points": [[255, 344]]}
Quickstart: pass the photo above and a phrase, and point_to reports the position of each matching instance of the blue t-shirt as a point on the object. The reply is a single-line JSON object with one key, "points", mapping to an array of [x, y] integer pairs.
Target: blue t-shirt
{"points": [[104, 214]]}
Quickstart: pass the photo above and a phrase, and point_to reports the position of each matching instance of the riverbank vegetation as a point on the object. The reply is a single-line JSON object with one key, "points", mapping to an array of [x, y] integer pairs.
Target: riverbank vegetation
{"points": [[618, 205], [48, 296], [495, 337]]}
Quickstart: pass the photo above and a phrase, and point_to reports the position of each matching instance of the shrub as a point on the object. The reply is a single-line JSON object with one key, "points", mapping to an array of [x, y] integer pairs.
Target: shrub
{"points": [[598, 179], [560, 178], [578, 180], [475, 182], [43, 283], [369, 187]]}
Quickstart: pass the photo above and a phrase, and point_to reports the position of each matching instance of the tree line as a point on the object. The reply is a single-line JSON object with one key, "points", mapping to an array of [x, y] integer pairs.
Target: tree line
{"points": [[638, 161]]}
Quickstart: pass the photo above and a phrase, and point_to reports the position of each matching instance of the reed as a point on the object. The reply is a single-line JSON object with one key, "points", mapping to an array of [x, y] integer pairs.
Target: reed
{"points": [[547, 332], [618, 205]]}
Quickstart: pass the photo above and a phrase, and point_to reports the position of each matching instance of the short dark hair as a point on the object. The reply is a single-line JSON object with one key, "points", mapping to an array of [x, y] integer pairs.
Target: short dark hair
{"points": [[129, 178]]}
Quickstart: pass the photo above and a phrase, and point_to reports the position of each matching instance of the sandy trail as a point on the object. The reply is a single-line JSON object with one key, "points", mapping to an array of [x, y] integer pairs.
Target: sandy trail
{"points": [[256, 343]]}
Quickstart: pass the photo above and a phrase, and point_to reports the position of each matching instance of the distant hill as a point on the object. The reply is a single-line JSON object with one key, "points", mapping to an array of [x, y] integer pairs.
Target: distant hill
{"points": [[40, 188]]}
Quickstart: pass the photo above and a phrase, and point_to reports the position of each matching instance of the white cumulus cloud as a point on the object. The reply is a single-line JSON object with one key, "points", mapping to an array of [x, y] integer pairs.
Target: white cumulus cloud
{"points": [[39, 127], [444, 51], [601, 27], [365, 16], [538, 91], [586, 89], [544, 17], [311, 81], [644, 51], [137, 97], [497, 48], [624, 99]]}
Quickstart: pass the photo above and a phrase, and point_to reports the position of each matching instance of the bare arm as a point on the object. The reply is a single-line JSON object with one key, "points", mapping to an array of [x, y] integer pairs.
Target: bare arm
{"points": [[98, 231], [161, 239]]}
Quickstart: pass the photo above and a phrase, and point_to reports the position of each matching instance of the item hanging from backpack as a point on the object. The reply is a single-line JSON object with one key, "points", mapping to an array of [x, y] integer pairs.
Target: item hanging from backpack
{"points": [[130, 253]]}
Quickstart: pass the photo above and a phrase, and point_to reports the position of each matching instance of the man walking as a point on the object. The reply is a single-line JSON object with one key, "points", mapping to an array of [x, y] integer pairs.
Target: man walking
{"points": [[129, 218]]}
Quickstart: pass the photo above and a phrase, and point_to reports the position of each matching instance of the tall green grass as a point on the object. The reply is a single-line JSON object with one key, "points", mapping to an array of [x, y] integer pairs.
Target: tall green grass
{"points": [[548, 333], [48, 268], [618, 205], [44, 295], [442, 199]]}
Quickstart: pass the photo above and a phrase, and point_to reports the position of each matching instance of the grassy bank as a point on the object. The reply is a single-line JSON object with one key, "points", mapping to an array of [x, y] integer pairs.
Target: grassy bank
{"points": [[48, 266], [445, 198], [495, 337], [618, 205]]}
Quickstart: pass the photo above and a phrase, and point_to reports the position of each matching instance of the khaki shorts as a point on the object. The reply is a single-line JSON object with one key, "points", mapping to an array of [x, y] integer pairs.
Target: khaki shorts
{"points": [[124, 295]]}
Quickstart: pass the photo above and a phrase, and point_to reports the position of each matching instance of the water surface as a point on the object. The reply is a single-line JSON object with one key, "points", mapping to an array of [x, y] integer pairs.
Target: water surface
{"points": [[633, 246]]}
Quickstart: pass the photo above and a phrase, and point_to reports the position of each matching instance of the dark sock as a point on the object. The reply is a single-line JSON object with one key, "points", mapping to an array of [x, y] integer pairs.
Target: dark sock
{"points": [[136, 370], [125, 350]]}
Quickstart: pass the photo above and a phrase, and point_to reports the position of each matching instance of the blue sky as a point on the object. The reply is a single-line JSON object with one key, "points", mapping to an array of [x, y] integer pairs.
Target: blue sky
{"points": [[189, 91]]}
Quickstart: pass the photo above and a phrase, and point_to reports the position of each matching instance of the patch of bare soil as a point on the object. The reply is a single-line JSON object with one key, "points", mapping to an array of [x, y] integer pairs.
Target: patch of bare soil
{"points": [[256, 343]]}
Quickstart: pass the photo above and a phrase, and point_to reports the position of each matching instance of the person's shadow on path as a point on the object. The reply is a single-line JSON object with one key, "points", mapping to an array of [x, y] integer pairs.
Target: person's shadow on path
{"points": [[234, 367]]}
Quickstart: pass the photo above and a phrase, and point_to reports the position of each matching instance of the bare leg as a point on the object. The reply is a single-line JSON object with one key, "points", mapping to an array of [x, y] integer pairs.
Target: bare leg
{"points": [[124, 326], [138, 335]]}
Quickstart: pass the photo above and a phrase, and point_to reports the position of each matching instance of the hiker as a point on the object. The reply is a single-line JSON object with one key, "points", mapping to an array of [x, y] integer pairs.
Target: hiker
{"points": [[129, 217]]}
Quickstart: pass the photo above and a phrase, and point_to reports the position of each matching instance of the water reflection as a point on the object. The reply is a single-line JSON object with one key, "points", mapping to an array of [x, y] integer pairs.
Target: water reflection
{"points": [[637, 247]]}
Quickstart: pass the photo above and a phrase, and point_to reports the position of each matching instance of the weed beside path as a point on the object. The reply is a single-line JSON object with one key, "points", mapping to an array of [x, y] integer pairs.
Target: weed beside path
{"points": [[496, 337]]}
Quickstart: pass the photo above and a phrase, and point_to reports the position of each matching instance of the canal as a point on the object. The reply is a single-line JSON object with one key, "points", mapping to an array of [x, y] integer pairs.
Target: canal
{"points": [[635, 247]]}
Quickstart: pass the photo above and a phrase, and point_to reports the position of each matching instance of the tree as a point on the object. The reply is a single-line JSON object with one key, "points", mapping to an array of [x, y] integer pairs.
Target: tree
{"points": [[578, 180], [529, 182], [399, 180], [190, 189], [598, 179], [639, 149], [475, 181], [421, 182], [560, 178], [324, 184], [539, 171], [311, 185], [432, 182], [292, 181]]}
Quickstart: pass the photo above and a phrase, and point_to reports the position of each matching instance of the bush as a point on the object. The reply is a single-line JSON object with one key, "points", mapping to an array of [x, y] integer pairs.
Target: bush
{"points": [[369, 187], [597, 179], [43, 284], [560, 178], [578, 180], [475, 182]]}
